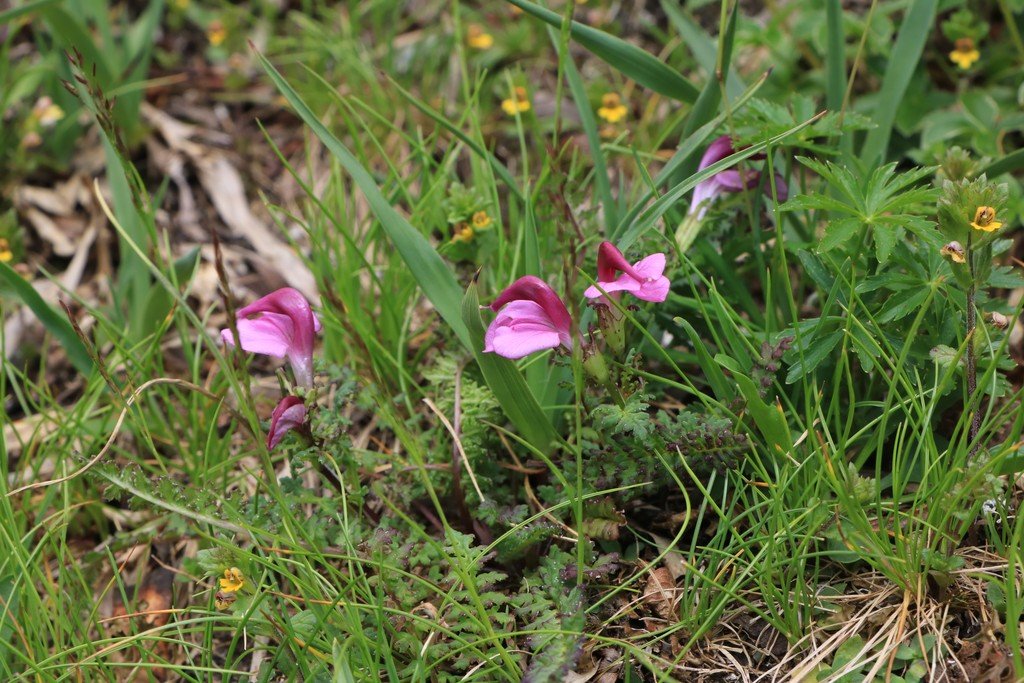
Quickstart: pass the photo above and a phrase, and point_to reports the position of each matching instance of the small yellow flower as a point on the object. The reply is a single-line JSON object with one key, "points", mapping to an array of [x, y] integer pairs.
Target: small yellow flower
{"points": [[519, 103], [180, 4], [463, 233], [6, 255], [216, 33], [985, 219], [965, 53], [46, 113], [478, 38], [233, 580], [481, 220], [224, 600], [612, 109], [954, 251]]}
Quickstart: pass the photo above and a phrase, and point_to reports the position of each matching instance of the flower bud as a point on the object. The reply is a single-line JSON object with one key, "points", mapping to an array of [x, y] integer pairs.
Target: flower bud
{"points": [[594, 364], [998, 320], [954, 251]]}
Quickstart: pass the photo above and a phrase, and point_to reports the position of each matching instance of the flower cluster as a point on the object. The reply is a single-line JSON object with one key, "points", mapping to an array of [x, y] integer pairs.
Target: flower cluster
{"points": [[531, 317], [283, 325]]}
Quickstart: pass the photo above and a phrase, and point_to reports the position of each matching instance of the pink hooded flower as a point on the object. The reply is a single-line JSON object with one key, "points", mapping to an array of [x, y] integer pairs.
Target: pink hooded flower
{"points": [[284, 327], [643, 279], [729, 180], [289, 414], [530, 318]]}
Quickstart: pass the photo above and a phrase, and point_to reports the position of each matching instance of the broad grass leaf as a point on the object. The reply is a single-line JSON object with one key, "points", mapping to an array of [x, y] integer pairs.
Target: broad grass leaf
{"points": [[55, 323], [433, 276], [769, 419], [918, 23], [631, 61]]}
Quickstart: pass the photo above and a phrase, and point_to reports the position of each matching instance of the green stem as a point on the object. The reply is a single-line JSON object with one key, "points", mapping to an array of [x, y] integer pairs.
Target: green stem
{"points": [[972, 369]]}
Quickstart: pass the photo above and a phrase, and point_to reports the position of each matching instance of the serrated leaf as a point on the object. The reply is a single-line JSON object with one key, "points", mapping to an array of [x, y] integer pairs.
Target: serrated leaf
{"points": [[885, 240], [903, 305], [818, 349], [839, 231]]}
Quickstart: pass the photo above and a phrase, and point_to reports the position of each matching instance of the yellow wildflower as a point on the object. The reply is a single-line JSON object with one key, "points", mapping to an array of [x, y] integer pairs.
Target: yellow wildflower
{"points": [[481, 220], [46, 113], [954, 251], [478, 38], [965, 53], [5, 250], [216, 33], [233, 580], [224, 600], [463, 233], [612, 109], [180, 4], [985, 219], [518, 103]]}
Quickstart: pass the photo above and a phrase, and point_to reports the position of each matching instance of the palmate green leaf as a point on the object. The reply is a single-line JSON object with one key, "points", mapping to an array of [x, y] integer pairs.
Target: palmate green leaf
{"points": [[505, 380], [55, 323], [433, 276], [631, 61]]}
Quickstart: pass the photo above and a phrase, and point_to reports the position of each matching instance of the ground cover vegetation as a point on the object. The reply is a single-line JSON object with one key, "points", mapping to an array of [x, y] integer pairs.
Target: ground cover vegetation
{"points": [[566, 341]]}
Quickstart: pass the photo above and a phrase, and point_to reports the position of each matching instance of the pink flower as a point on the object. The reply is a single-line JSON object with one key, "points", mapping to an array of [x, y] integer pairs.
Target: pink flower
{"points": [[289, 414], [729, 180], [285, 326], [643, 279], [530, 318]]}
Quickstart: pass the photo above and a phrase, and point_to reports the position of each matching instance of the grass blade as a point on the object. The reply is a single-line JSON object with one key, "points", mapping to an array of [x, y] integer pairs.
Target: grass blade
{"points": [[906, 53], [835, 56], [589, 125], [631, 61], [433, 276], [54, 322]]}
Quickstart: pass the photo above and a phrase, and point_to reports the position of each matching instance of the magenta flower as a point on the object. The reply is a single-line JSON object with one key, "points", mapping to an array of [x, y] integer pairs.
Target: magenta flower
{"points": [[289, 414], [530, 318], [643, 279], [284, 327], [729, 180]]}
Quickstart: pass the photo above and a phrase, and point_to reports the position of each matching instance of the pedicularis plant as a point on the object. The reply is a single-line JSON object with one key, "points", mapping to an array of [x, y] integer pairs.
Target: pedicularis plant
{"points": [[597, 373]]}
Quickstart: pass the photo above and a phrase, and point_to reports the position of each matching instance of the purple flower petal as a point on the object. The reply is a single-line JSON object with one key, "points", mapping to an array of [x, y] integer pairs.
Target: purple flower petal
{"points": [[285, 326], [289, 414], [643, 279], [530, 318]]}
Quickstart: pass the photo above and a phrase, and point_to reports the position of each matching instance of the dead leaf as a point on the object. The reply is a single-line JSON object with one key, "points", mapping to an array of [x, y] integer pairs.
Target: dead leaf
{"points": [[660, 592]]}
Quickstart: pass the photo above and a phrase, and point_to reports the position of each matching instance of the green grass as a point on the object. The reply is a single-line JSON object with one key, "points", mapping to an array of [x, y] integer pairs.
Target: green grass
{"points": [[780, 480]]}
